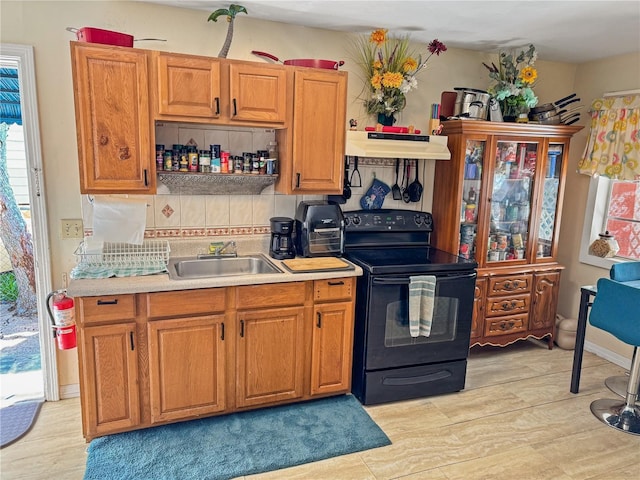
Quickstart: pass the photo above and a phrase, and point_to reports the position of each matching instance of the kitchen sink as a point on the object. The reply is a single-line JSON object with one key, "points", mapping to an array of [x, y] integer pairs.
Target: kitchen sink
{"points": [[185, 268]]}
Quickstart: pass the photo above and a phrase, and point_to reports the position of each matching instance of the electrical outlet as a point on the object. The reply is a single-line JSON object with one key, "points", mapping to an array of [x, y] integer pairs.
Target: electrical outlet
{"points": [[71, 228]]}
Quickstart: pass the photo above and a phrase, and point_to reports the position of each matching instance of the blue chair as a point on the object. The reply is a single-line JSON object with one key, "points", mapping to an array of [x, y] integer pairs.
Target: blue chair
{"points": [[628, 272], [616, 309]]}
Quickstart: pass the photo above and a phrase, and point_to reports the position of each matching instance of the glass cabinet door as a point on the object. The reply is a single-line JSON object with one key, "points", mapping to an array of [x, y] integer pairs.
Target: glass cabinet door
{"points": [[471, 191], [514, 167], [549, 213]]}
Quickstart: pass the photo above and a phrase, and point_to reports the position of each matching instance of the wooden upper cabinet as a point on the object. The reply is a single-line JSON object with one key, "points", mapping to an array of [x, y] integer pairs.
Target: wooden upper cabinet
{"points": [[113, 119], [187, 85], [257, 93], [319, 126]]}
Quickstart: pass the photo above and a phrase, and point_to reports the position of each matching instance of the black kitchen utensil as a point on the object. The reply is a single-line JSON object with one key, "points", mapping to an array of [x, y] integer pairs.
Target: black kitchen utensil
{"points": [[395, 188], [406, 167], [346, 189], [355, 170], [563, 105], [564, 99], [571, 118], [415, 189]]}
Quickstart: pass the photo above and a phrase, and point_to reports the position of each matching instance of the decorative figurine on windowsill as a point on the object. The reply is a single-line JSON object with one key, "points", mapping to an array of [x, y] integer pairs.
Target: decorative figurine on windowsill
{"points": [[353, 124]]}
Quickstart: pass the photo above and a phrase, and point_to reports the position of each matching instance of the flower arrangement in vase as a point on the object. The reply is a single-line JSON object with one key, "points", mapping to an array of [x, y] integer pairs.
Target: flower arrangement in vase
{"points": [[514, 79], [389, 68]]}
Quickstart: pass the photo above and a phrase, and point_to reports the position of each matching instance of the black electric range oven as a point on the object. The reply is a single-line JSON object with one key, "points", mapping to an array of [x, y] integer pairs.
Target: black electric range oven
{"points": [[389, 364]]}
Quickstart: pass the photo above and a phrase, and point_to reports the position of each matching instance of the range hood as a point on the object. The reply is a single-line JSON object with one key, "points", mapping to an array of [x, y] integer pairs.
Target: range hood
{"points": [[396, 145]]}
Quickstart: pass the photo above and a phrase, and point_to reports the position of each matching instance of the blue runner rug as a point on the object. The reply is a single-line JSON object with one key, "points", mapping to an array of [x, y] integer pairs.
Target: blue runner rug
{"points": [[17, 419], [239, 444]]}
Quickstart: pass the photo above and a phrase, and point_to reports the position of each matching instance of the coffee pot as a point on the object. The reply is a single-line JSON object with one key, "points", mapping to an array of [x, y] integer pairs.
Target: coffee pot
{"points": [[281, 246]]}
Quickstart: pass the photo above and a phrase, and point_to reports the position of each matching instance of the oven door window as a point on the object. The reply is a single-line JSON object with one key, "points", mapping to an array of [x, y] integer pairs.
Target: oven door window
{"points": [[389, 343], [443, 324]]}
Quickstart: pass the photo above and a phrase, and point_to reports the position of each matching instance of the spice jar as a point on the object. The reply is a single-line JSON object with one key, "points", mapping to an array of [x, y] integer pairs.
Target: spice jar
{"points": [[606, 246]]}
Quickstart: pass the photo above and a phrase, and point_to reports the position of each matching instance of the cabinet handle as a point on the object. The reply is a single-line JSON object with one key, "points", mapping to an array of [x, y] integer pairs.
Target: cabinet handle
{"points": [[108, 302], [235, 108], [334, 284], [217, 105], [319, 321], [131, 340], [242, 328], [222, 331], [297, 180], [146, 180]]}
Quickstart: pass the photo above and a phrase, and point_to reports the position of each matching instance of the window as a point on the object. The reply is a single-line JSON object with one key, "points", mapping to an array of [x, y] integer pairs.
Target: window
{"points": [[614, 206], [623, 217]]}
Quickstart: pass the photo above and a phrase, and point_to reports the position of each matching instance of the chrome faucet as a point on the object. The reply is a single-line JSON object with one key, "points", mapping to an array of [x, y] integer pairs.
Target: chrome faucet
{"points": [[231, 246], [229, 249]]}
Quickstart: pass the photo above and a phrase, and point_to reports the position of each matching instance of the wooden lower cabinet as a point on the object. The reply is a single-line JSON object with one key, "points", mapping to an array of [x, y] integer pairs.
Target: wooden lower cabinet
{"points": [[187, 367], [331, 348], [109, 378], [270, 356], [515, 304], [153, 358]]}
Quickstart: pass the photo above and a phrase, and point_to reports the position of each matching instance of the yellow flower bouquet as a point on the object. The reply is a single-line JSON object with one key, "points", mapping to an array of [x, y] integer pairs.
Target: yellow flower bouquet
{"points": [[389, 68]]}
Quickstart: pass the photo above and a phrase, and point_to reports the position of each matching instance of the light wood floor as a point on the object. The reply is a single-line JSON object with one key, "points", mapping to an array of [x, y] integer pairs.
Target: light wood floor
{"points": [[515, 420]]}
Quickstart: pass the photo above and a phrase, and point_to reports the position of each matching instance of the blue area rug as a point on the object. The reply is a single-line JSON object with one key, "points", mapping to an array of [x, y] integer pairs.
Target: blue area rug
{"points": [[239, 444]]}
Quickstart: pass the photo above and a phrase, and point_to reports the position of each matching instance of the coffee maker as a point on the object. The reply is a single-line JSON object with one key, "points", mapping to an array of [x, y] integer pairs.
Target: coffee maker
{"points": [[281, 246]]}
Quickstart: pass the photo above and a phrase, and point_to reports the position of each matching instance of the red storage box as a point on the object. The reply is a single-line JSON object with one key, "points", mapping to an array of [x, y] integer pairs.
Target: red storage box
{"points": [[107, 37]]}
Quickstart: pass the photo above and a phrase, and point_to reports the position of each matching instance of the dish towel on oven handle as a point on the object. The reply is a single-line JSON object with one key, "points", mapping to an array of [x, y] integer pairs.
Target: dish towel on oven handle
{"points": [[421, 296]]}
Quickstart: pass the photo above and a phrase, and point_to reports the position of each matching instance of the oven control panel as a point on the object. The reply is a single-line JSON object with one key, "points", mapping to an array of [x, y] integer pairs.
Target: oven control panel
{"points": [[388, 220]]}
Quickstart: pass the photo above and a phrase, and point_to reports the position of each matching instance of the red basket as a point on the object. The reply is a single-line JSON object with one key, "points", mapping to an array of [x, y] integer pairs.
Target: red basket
{"points": [[107, 37]]}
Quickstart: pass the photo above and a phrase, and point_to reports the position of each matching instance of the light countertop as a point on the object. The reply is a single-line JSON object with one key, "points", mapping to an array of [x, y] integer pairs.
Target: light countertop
{"points": [[162, 282]]}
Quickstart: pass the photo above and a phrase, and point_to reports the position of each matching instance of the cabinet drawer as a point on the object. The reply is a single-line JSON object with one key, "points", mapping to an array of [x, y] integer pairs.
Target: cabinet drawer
{"points": [[333, 289], [509, 284], [505, 325], [508, 305], [181, 303], [272, 295], [106, 308]]}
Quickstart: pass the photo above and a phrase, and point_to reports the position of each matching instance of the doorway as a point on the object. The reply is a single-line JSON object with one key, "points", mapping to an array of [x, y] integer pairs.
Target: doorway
{"points": [[20, 58]]}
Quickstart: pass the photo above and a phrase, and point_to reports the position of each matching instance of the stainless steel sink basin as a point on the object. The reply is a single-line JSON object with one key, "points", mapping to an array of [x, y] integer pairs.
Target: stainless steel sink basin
{"points": [[184, 268]]}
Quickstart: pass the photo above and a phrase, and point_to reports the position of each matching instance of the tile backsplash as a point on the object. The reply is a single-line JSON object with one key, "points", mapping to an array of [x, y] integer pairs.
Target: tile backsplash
{"points": [[186, 216]]}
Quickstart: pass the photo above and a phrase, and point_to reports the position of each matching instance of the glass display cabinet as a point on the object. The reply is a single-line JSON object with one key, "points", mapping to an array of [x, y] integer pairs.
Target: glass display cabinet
{"points": [[499, 201]]}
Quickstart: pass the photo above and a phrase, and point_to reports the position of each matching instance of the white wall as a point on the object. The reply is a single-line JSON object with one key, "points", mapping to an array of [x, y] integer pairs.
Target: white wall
{"points": [[42, 24]]}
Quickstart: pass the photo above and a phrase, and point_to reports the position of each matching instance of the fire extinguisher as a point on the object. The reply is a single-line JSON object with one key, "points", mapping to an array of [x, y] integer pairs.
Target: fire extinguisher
{"points": [[62, 315]]}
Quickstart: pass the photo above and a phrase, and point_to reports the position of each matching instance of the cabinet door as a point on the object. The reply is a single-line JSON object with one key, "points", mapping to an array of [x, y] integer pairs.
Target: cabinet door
{"points": [[113, 119], [550, 203], [319, 128], [479, 301], [331, 348], [511, 196], [545, 300], [270, 356], [258, 93], [188, 86], [186, 367], [109, 377]]}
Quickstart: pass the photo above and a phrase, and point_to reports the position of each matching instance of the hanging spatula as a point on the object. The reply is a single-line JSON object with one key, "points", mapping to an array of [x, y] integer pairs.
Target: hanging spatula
{"points": [[395, 188]]}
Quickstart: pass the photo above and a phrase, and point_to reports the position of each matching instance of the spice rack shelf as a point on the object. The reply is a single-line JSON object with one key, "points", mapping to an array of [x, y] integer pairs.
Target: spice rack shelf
{"points": [[215, 183]]}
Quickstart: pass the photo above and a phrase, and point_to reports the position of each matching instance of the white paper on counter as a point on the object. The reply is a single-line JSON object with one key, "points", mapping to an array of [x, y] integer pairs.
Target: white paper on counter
{"points": [[119, 219]]}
